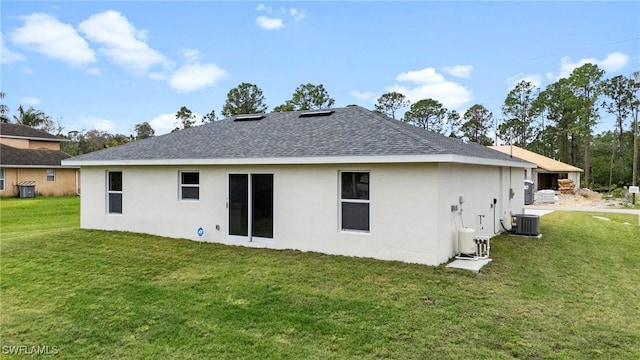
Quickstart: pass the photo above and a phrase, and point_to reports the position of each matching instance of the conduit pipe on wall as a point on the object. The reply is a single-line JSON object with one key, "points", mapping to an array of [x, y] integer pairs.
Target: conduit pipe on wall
{"points": [[461, 201], [78, 182]]}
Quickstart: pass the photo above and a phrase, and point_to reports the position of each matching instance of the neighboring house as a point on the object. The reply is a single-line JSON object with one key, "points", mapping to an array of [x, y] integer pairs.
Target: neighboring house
{"points": [[32, 157], [345, 181], [547, 171]]}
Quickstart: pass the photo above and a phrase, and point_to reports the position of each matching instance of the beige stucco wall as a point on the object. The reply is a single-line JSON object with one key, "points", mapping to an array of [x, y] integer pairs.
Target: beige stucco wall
{"points": [[30, 144], [411, 219], [64, 184], [16, 143], [39, 145]]}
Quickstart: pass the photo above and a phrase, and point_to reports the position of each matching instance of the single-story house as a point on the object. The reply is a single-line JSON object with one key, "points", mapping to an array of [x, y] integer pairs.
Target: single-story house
{"points": [[32, 157], [547, 171], [345, 181]]}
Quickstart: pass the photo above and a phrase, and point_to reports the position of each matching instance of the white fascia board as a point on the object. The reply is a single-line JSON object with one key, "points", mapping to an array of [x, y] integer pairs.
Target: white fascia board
{"points": [[392, 159], [493, 162]]}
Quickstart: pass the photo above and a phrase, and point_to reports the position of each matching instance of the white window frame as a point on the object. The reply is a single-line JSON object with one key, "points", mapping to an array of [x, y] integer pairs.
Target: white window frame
{"points": [[51, 173], [2, 179], [182, 185], [353, 201], [109, 192]]}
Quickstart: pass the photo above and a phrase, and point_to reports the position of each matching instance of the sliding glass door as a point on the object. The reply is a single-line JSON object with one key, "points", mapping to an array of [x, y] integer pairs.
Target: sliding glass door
{"points": [[251, 205]]}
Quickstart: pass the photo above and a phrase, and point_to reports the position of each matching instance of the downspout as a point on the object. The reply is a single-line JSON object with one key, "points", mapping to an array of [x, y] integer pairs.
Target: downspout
{"points": [[511, 193], [504, 219], [16, 189], [77, 183]]}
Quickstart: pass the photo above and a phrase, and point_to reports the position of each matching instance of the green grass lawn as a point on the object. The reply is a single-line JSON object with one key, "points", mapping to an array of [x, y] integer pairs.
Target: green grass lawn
{"points": [[574, 294]]}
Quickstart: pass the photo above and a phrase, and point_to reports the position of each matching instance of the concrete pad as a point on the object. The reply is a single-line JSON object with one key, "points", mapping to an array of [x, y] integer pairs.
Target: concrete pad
{"points": [[471, 265], [538, 212], [539, 236]]}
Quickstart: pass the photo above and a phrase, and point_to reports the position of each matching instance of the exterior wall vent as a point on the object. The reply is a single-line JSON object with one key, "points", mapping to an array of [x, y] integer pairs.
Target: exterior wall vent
{"points": [[249, 117], [316, 113]]}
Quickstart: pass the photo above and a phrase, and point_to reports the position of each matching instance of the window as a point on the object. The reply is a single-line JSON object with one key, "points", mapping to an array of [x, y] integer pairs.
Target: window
{"points": [[354, 201], [1, 179], [189, 185], [51, 174], [114, 192]]}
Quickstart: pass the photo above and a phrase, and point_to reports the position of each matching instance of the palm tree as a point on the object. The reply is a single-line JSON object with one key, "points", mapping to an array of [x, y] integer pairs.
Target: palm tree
{"points": [[4, 109], [31, 117]]}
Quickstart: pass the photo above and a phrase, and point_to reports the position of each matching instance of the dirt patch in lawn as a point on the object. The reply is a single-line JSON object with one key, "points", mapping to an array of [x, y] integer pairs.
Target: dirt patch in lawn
{"points": [[585, 198]]}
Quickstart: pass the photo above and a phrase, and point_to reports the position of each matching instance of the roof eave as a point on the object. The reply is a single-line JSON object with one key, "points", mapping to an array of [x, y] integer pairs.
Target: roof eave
{"points": [[387, 159], [21, 166], [559, 170], [34, 138]]}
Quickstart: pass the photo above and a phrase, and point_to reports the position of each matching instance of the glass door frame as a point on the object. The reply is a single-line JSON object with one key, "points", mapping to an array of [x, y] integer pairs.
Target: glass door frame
{"points": [[249, 237]]}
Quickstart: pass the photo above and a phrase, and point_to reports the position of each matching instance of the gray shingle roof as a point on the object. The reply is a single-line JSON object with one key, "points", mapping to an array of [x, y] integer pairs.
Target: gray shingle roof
{"points": [[19, 130], [349, 131], [10, 156]]}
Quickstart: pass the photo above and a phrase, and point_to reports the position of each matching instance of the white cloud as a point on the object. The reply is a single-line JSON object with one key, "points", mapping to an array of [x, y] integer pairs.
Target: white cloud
{"points": [[297, 14], [30, 100], [428, 83], [98, 123], [193, 75], [268, 23], [461, 71], [610, 63], [163, 124], [7, 56], [190, 55], [263, 7], [424, 76], [534, 79], [196, 76], [362, 95], [276, 22], [122, 42], [614, 61], [45, 34]]}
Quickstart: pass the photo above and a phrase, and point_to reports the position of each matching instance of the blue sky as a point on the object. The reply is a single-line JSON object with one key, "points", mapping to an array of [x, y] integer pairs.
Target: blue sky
{"points": [[111, 65]]}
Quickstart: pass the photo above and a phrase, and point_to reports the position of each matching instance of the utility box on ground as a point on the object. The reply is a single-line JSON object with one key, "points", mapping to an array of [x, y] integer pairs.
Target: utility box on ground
{"points": [[27, 189], [527, 224]]}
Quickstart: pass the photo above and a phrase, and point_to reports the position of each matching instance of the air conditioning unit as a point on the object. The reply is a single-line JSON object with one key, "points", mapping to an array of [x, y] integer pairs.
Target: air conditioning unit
{"points": [[527, 224]]}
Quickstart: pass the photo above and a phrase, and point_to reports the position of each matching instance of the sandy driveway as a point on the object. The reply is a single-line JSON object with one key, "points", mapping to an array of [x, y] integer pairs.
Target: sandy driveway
{"points": [[584, 200]]}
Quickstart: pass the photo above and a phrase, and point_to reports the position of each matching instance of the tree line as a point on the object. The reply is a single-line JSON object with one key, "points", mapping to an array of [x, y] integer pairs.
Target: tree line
{"points": [[557, 121]]}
